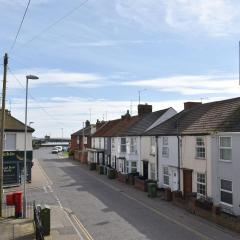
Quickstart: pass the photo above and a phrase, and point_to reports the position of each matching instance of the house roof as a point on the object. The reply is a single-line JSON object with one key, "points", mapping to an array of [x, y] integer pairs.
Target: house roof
{"points": [[86, 131], [14, 125], [128, 126], [144, 123], [203, 119]]}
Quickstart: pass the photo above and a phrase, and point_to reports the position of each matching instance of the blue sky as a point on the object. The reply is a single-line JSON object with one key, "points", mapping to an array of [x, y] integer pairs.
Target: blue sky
{"points": [[99, 57]]}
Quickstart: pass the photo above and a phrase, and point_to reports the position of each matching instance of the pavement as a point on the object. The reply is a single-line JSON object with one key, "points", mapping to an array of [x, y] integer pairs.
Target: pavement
{"points": [[64, 225], [16, 229], [90, 206]]}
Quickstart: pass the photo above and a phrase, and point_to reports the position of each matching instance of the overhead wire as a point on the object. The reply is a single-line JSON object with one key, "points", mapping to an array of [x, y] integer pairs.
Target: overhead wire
{"points": [[55, 23], [20, 26]]}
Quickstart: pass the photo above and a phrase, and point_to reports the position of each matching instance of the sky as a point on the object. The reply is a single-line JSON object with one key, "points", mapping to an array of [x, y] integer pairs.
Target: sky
{"points": [[93, 57]]}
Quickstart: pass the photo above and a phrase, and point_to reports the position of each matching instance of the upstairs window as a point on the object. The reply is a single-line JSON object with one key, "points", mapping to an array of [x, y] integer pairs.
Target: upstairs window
{"points": [[201, 184], [123, 148], [225, 148], [10, 142], [226, 192], [133, 145], [200, 148], [152, 146], [165, 141], [113, 143], [165, 152]]}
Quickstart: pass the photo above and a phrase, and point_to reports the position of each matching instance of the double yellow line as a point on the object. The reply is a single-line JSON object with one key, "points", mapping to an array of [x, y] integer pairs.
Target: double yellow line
{"points": [[82, 228]]}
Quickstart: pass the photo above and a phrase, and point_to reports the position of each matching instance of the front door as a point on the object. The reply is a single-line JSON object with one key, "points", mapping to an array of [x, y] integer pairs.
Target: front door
{"points": [[187, 181], [174, 180], [145, 169]]}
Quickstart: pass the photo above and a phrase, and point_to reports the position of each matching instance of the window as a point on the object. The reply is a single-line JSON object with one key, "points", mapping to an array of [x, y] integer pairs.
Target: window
{"points": [[10, 141], [84, 140], [152, 146], [133, 145], [165, 152], [165, 141], [226, 192], [127, 166], [113, 143], [93, 142], [200, 148], [134, 167], [225, 148], [123, 145], [201, 184], [165, 176], [152, 171]]}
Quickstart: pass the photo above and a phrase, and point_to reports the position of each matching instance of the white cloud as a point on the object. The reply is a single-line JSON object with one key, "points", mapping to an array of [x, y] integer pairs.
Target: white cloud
{"points": [[56, 77], [191, 84], [215, 17]]}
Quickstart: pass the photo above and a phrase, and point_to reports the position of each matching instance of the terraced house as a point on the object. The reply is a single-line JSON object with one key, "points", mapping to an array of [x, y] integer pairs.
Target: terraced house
{"points": [[200, 146]]}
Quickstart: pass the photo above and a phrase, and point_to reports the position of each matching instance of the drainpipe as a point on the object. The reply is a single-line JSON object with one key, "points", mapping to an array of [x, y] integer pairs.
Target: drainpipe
{"points": [[157, 163], [179, 171], [179, 157]]}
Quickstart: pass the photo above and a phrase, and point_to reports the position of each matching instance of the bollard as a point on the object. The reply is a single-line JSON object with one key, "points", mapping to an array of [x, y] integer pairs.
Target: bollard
{"points": [[46, 220]]}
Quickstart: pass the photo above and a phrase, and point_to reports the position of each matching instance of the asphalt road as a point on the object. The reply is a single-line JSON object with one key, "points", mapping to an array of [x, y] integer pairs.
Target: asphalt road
{"points": [[110, 210]]}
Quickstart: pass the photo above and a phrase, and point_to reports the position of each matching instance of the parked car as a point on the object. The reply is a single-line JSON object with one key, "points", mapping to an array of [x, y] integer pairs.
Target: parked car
{"points": [[60, 149], [55, 150]]}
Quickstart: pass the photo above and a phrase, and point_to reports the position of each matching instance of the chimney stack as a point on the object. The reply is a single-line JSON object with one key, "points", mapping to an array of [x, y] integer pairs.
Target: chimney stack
{"points": [[126, 116], [144, 109], [188, 105], [87, 123]]}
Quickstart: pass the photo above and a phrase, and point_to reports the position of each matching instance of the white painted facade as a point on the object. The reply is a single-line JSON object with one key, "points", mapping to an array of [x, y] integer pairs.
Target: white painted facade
{"points": [[132, 159], [168, 162], [125, 153], [15, 141], [226, 170], [149, 154]]}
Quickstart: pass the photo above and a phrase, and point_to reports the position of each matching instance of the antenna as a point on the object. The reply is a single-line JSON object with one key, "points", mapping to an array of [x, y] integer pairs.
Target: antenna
{"points": [[131, 107], [90, 115]]}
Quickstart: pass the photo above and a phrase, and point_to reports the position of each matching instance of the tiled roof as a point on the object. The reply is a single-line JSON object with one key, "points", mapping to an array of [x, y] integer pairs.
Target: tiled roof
{"points": [[203, 119], [86, 131], [13, 124], [101, 132], [122, 126], [144, 123]]}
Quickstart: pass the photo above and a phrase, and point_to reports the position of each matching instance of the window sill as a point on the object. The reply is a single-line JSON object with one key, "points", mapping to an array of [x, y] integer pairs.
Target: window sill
{"points": [[226, 161], [226, 204], [199, 158]]}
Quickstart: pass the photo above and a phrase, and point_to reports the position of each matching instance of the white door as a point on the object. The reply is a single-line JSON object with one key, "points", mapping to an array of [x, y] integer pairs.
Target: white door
{"points": [[174, 180]]}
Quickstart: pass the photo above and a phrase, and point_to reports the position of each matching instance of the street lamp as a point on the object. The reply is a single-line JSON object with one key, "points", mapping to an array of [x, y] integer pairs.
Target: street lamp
{"points": [[28, 77]]}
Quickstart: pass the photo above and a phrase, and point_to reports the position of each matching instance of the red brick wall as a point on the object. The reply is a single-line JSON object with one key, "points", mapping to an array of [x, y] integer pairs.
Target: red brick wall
{"points": [[74, 145]]}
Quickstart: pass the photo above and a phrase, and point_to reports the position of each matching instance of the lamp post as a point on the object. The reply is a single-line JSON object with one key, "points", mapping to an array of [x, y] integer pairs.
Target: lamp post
{"points": [[28, 77]]}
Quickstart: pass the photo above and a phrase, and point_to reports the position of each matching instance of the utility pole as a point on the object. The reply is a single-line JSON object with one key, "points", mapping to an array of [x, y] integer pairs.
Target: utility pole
{"points": [[5, 63], [83, 148]]}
